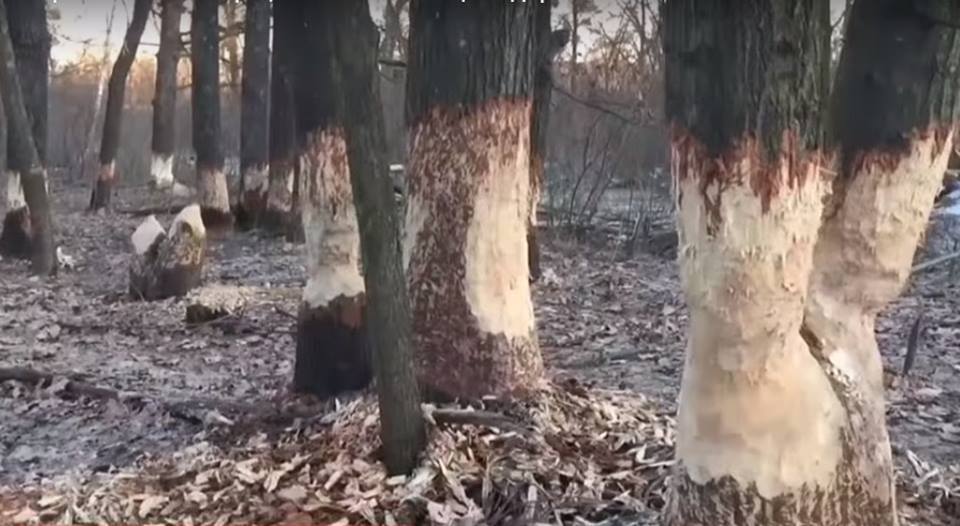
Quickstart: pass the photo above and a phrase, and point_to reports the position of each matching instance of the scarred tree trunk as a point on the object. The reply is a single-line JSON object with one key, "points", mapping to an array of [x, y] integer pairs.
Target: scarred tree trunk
{"points": [[22, 152], [165, 95], [389, 327], [469, 91], [31, 46], [205, 56], [287, 16], [332, 355], [254, 113], [113, 120]]}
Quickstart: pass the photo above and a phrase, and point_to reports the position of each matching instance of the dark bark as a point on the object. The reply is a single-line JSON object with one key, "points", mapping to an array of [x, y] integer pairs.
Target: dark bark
{"points": [[163, 142], [254, 112], [23, 154], [113, 119], [389, 322], [287, 25]]}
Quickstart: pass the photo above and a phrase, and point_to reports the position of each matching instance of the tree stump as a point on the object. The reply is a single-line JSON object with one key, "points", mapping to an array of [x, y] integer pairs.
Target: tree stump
{"points": [[166, 265], [214, 302]]}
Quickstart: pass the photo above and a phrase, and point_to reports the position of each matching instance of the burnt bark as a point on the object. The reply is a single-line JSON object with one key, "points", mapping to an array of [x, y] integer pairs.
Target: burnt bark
{"points": [[287, 25], [22, 150], [163, 141], [254, 113], [113, 119], [205, 59], [389, 331]]}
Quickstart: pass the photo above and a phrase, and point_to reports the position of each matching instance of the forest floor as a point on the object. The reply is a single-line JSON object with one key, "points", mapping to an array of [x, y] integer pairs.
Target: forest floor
{"points": [[604, 320]]}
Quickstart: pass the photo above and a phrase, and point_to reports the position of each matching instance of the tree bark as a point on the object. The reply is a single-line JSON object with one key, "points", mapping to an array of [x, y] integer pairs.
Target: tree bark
{"points": [[22, 150], [31, 47], [746, 89], [469, 90], [205, 56], [254, 113], [163, 142], [287, 19], [332, 355], [113, 119], [389, 330]]}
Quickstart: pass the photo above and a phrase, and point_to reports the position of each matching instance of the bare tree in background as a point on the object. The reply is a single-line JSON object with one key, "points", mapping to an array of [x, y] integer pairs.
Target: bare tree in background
{"points": [[87, 151], [254, 128], [163, 142], [283, 143], [113, 120], [393, 44]]}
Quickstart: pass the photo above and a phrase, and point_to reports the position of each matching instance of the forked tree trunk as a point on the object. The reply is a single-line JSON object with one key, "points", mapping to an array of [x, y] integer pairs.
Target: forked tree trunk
{"points": [[22, 152], [163, 141], [287, 18], [254, 113], [205, 55], [469, 91], [31, 46], [113, 119], [389, 326], [332, 355]]}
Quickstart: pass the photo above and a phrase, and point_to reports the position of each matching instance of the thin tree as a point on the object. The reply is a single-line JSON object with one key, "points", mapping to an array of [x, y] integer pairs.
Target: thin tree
{"points": [[205, 61], [469, 97], [30, 37], [389, 330], [23, 155], [283, 126], [254, 113], [332, 355], [163, 142], [116, 93]]}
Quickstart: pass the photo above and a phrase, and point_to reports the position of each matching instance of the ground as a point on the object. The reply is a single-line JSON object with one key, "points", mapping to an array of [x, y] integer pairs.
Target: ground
{"points": [[604, 320]]}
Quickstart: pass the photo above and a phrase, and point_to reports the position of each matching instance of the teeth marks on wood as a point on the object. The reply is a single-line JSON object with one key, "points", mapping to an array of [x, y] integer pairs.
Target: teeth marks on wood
{"points": [[168, 264]]}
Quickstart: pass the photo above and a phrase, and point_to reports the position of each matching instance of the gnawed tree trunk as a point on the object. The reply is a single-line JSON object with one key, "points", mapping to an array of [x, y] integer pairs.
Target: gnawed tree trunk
{"points": [[22, 151], [287, 20], [168, 264], [205, 56], [332, 355], [163, 142], [113, 120], [388, 324], [469, 91], [31, 46], [254, 113]]}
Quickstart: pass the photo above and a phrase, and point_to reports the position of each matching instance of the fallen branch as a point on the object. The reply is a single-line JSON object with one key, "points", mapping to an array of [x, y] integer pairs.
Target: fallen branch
{"points": [[476, 418], [934, 262], [74, 387]]}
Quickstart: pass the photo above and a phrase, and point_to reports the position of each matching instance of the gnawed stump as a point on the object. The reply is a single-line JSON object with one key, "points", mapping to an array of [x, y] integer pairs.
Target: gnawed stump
{"points": [[214, 302], [332, 355], [166, 265]]}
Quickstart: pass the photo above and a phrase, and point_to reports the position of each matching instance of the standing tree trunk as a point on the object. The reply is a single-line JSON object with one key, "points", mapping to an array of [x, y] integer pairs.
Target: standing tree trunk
{"points": [[31, 46], [23, 154], [254, 113], [165, 95], [205, 56], [231, 44], [113, 120], [283, 126], [332, 355], [469, 90], [389, 325]]}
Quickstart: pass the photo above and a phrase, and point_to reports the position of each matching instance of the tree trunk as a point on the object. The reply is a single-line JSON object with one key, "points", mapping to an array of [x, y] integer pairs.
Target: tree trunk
{"points": [[87, 154], [254, 113], [205, 56], [287, 15], [231, 44], [332, 355], [113, 120], [165, 95], [22, 150], [469, 91], [31, 46], [389, 324]]}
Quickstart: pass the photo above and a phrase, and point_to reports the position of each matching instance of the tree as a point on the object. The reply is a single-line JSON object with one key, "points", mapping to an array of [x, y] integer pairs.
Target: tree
{"points": [[783, 292], [163, 142], [283, 147], [354, 39], [30, 38], [22, 151], [332, 355], [113, 120], [205, 59], [254, 112], [469, 91]]}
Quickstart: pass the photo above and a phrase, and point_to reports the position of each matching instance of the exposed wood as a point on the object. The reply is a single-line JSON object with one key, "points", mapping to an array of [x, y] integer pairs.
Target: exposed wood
{"points": [[288, 26], [163, 141], [168, 264], [254, 114], [935, 262]]}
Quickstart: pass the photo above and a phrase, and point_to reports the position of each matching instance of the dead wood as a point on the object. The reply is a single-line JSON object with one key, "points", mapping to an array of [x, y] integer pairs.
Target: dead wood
{"points": [[166, 265], [935, 262], [477, 418]]}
